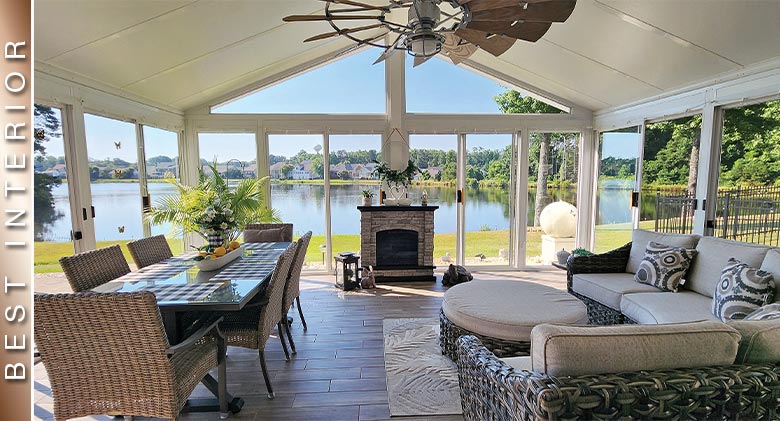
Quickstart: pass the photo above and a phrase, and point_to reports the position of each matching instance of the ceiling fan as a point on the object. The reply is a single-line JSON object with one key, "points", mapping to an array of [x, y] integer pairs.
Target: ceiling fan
{"points": [[425, 28]]}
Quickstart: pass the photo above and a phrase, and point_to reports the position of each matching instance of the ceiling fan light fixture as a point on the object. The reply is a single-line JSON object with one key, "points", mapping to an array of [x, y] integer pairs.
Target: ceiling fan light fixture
{"points": [[425, 43]]}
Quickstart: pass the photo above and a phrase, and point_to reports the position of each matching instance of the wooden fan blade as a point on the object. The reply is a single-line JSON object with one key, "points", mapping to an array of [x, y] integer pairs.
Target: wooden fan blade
{"points": [[342, 32], [389, 51], [495, 44], [549, 11], [358, 4], [309, 18], [420, 60], [530, 31], [456, 50]]}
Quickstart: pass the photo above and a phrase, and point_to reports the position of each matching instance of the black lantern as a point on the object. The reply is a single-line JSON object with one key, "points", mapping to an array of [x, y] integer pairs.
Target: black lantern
{"points": [[347, 271]]}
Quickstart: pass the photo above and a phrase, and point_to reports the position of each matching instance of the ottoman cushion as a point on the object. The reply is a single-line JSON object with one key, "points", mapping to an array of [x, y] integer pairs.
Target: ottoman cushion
{"points": [[508, 310]]}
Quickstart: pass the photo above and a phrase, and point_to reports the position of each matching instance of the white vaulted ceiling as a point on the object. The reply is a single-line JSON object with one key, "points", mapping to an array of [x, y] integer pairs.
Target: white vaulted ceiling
{"points": [[187, 53]]}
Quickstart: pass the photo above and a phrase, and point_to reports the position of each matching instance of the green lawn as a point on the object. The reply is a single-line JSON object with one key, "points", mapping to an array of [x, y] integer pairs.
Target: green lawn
{"points": [[47, 254]]}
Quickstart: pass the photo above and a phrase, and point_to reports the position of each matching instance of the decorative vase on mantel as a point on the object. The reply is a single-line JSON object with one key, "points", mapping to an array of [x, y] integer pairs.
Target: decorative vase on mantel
{"points": [[216, 239], [368, 201]]}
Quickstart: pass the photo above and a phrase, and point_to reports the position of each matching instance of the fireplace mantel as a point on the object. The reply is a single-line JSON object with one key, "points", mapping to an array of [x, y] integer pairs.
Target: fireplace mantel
{"points": [[377, 219]]}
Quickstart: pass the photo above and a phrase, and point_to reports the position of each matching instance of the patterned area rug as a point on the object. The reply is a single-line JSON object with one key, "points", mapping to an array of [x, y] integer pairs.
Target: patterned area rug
{"points": [[420, 380]]}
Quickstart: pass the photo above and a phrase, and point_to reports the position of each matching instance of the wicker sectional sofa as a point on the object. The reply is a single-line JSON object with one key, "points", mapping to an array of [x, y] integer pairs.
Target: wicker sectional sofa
{"points": [[619, 375], [605, 282]]}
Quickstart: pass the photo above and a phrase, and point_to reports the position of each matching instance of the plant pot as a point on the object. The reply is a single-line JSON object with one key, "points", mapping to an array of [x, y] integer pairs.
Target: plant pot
{"points": [[368, 201], [216, 240]]}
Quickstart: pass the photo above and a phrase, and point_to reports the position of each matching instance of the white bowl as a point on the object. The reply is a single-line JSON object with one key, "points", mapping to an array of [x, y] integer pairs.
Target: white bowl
{"points": [[404, 202], [219, 262], [390, 202]]}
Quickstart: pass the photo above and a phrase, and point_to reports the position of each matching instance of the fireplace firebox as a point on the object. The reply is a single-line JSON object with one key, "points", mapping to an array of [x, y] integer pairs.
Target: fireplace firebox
{"points": [[396, 248]]}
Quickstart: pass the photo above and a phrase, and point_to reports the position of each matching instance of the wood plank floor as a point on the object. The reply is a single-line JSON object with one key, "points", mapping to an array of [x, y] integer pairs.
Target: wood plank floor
{"points": [[338, 373]]}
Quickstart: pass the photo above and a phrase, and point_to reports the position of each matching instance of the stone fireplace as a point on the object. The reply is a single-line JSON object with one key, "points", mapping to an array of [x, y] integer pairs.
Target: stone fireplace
{"points": [[398, 242]]}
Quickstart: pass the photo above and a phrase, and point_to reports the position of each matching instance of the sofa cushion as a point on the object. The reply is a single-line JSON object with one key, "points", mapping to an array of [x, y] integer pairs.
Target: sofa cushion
{"points": [[559, 350], [766, 312], [663, 307], [664, 266], [641, 238], [714, 254], [742, 289], [608, 288], [760, 340], [518, 363], [771, 264]]}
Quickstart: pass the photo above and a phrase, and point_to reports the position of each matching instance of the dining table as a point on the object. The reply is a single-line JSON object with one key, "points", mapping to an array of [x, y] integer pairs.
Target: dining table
{"points": [[181, 288]]}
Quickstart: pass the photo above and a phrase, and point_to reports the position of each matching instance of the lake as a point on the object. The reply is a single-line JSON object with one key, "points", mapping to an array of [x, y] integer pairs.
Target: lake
{"points": [[118, 206]]}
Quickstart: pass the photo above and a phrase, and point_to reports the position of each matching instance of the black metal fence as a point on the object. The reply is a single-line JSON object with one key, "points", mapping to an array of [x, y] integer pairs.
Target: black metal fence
{"points": [[747, 214]]}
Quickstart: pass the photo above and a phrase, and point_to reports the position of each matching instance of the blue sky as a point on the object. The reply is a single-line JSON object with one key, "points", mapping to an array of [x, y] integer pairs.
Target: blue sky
{"points": [[350, 85]]}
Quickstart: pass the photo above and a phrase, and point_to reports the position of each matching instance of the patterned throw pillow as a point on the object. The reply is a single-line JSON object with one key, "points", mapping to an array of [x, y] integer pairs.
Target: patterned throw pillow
{"points": [[742, 290], [664, 266], [767, 312]]}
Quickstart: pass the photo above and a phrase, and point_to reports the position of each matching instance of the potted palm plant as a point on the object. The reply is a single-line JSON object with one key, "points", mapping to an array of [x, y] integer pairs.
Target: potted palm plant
{"points": [[368, 197], [212, 209]]}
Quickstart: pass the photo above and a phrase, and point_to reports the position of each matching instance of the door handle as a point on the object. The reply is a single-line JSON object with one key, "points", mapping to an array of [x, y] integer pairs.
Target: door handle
{"points": [[93, 212], [460, 196], [84, 213]]}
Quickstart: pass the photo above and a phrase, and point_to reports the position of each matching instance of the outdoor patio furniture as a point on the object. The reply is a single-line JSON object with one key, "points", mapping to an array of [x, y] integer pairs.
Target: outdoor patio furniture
{"points": [[520, 388], [502, 313], [90, 269], [150, 250], [605, 282], [108, 354], [292, 289], [270, 232], [252, 326]]}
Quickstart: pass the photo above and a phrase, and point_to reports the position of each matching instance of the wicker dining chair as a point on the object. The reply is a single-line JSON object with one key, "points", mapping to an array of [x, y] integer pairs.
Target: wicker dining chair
{"points": [[292, 290], [108, 354], [150, 250], [93, 268], [286, 233], [252, 326]]}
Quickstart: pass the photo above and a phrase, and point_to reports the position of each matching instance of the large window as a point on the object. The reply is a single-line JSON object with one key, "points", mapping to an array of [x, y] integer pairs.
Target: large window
{"points": [[618, 154], [351, 172], [298, 189], [749, 192], [351, 85], [552, 176]]}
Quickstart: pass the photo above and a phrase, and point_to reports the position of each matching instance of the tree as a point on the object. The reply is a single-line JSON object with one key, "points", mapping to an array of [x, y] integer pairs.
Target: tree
{"points": [[286, 172], [47, 126], [514, 102], [344, 175]]}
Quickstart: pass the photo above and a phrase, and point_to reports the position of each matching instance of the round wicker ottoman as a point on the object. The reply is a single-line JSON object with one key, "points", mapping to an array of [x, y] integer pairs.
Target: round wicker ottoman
{"points": [[502, 313]]}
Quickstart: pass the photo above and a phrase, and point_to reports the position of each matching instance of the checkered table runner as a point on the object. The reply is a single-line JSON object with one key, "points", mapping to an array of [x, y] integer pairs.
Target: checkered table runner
{"points": [[155, 272], [182, 259], [265, 246], [270, 256], [245, 270], [184, 292]]}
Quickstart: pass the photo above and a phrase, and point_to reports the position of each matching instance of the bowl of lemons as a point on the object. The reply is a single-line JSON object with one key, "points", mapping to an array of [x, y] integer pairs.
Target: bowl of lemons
{"points": [[210, 260]]}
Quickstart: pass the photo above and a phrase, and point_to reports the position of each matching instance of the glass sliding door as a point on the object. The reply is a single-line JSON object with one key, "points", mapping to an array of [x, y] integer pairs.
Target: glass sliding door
{"points": [[112, 151], [351, 172], [437, 158], [298, 190], [53, 209], [619, 156], [488, 209], [161, 150], [552, 178]]}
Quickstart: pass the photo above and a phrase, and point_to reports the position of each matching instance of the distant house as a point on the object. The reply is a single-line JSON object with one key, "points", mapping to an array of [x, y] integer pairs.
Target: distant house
{"points": [[301, 171], [58, 170], [432, 171], [276, 170], [250, 171], [161, 169]]}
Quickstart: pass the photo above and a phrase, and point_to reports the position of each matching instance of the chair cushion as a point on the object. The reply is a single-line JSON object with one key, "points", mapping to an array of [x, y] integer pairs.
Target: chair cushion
{"points": [[760, 340], [264, 236], [771, 264], [664, 266], [559, 350], [663, 307], [641, 238], [742, 290], [508, 310], [766, 312], [608, 288], [518, 363], [714, 254]]}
